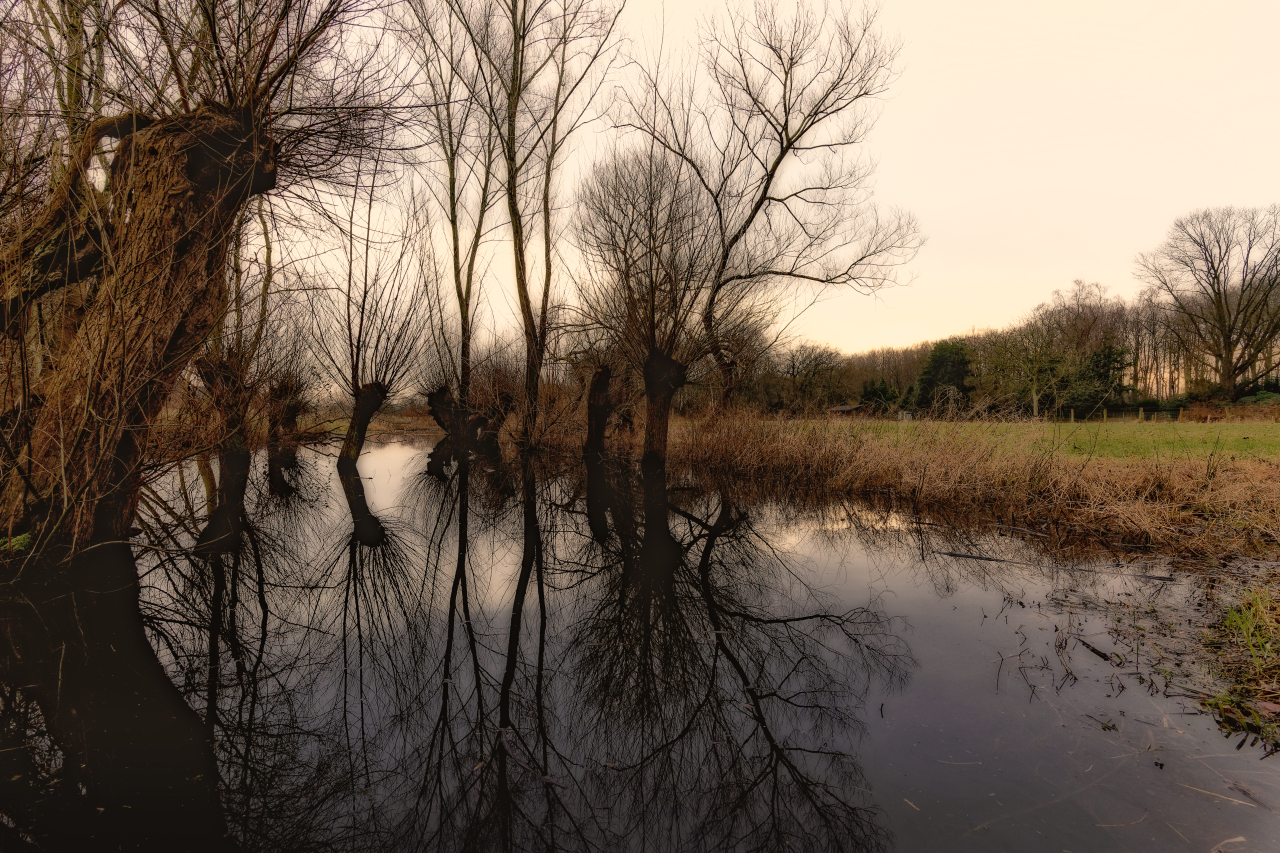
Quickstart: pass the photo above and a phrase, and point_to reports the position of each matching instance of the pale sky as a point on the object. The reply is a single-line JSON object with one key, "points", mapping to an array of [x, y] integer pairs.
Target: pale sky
{"points": [[1038, 143]]}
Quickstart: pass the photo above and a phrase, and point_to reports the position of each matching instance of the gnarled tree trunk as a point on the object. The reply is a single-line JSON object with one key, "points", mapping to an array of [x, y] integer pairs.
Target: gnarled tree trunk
{"points": [[176, 187], [368, 401], [466, 431]]}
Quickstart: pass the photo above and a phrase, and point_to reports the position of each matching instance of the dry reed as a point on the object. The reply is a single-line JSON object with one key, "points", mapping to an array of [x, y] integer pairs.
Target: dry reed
{"points": [[1215, 506]]}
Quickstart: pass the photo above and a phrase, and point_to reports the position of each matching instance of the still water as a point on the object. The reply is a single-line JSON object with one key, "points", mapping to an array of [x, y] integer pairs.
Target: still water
{"points": [[476, 656]]}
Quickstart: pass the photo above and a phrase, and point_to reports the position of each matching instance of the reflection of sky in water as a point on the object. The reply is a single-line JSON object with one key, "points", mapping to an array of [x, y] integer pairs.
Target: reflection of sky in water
{"points": [[1008, 734], [955, 761], [1046, 758], [384, 467]]}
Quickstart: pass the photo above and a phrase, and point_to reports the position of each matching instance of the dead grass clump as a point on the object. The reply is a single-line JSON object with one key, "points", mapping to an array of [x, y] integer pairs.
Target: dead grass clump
{"points": [[1180, 506]]}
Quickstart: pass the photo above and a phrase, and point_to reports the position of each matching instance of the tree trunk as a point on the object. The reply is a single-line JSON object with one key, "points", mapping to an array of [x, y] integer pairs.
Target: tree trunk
{"points": [[229, 388], [1227, 370], [599, 407], [450, 415], [466, 431], [125, 733], [285, 404], [177, 186], [369, 400], [663, 377], [532, 380]]}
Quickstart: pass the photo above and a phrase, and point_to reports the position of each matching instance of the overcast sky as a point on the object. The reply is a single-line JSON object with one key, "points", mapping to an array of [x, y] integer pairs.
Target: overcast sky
{"points": [[1038, 143]]}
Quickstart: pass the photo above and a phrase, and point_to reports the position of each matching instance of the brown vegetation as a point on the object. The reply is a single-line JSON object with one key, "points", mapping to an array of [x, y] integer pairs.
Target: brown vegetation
{"points": [[156, 303], [1264, 413], [1181, 507]]}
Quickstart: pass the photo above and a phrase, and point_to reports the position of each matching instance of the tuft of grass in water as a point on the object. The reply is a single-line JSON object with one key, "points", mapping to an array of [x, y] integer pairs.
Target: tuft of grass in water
{"points": [[1255, 624], [1236, 713], [20, 542], [1249, 637]]}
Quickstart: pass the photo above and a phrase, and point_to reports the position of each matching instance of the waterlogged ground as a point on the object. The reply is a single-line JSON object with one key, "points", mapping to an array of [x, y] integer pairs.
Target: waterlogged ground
{"points": [[1009, 731], [489, 656], [1013, 736]]}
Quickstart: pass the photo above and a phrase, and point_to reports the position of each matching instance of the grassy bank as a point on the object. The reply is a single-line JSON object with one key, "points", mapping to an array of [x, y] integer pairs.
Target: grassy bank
{"points": [[1185, 489], [1197, 490], [1247, 647]]}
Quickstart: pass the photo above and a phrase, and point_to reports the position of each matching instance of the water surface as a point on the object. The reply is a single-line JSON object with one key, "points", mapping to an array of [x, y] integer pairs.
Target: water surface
{"points": [[479, 655]]}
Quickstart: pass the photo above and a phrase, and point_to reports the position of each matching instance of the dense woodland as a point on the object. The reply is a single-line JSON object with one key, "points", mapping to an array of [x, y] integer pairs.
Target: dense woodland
{"points": [[1080, 351]]}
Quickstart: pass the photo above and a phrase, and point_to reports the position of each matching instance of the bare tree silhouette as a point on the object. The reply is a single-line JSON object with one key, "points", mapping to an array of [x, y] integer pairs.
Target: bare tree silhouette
{"points": [[774, 153]]}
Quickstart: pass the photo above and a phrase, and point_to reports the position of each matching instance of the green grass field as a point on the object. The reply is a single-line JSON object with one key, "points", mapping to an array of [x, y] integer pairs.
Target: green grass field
{"points": [[1166, 440], [1118, 439], [1130, 439]]}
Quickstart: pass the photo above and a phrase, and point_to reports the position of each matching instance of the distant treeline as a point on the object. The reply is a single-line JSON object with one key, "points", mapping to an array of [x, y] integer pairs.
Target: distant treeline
{"points": [[1082, 350]]}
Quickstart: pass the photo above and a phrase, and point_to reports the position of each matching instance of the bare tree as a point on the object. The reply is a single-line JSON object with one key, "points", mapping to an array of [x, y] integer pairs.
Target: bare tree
{"points": [[810, 371], [370, 324], [898, 367], [1086, 318], [463, 184], [534, 67], [1219, 275], [1029, 358], [210, 104], [774, 151], [643, 233]]}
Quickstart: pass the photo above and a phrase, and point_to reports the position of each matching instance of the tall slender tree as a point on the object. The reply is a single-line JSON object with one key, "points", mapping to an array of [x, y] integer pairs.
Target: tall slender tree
{"points": [[535, 67], [462, 181], [775, 152]]}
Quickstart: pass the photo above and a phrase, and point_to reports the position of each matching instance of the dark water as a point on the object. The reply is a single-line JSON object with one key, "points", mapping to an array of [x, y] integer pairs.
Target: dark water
{"points": [[491, 657]]}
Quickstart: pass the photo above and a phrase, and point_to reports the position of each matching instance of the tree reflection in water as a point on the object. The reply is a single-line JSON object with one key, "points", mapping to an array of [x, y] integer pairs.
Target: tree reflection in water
{"points": [[725, 692], [523, 657], [690, 694]]}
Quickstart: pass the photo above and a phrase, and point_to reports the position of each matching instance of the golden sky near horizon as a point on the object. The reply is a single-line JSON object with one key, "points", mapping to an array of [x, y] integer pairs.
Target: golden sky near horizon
{"points": [[1038, 143]]}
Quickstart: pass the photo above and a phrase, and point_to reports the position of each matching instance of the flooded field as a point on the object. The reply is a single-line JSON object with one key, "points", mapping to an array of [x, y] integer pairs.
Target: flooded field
{"points": [[446, 654]]}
